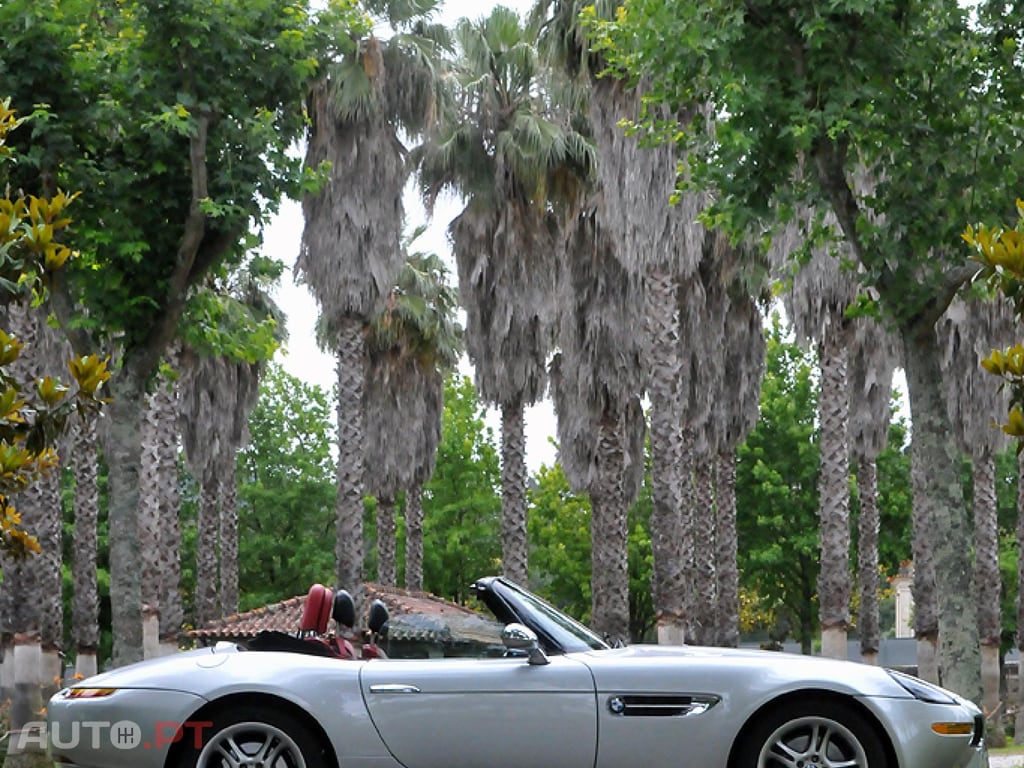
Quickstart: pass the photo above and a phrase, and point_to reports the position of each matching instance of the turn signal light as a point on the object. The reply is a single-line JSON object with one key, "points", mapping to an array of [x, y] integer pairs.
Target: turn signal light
{"points": [[953, 729], [90, 693]]}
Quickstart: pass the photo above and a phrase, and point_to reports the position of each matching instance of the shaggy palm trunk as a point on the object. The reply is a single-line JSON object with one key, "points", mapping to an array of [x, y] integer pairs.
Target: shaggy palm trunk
{"points": [[609, 533], [727, 617], [926, 609], [704, 555], [867, 560], [85, 604], [46, 494], [513, 493], [386, 568], [348, 548], [414, 538], [687, 506], [935, 452], [987, 581], [668, 580], [1019, 720], [123, 449], [208, 523], [834, 512], [229, 537]]}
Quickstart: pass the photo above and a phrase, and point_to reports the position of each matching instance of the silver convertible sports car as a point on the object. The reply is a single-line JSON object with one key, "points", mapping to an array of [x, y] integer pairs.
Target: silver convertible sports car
{"points": [[548, 694]]}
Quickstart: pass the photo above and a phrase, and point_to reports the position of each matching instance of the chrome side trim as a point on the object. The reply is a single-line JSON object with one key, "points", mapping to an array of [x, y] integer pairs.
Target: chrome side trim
{"points": [[394, 688], [660, 705]]}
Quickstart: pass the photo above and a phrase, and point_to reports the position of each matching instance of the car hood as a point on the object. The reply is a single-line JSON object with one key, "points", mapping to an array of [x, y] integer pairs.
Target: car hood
{"points": [[662, 667]]}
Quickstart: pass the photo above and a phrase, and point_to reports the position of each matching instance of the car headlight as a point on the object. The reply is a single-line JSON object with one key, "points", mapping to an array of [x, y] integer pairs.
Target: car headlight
{"points": [[919, 689], [88, 693]]}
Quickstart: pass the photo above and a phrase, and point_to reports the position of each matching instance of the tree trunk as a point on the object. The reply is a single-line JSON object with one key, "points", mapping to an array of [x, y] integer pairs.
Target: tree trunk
{"points": [[149, 516], [704, 524], [727, 570], [987, 583], [208, 523], [386, 568], [47, 495], [1019, 720], [27, 746], [609, 533], [123, 449], [926, 608], [668, 579], [938, 461], [171, 611], [514, 551], [867, 560], [229, 536], [85, 604], [687, 508], [414, 538], [348, 547], [833, 492]]}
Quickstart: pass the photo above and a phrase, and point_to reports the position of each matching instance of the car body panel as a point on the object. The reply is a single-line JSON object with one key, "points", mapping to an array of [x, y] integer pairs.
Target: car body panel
{"points": [[413, 702]]}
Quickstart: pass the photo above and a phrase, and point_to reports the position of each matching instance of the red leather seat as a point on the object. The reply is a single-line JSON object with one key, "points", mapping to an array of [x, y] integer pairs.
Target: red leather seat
{"points": [[317, 611]]}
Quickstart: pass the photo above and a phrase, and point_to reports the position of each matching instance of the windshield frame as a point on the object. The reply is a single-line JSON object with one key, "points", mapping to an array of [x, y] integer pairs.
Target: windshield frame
{"points": [[561, 633]]}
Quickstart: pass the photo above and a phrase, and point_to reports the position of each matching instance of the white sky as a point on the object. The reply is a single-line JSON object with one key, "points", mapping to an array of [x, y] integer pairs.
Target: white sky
{"points": [[303, 359]]}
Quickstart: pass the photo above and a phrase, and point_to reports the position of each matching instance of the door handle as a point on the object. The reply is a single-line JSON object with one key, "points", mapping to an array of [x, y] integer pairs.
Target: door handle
{"points": [[394, 688]]}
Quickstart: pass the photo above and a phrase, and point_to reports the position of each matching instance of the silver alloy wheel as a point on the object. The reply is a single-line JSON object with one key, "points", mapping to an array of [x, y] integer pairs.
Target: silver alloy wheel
{"points": [[812, 742], [251, 745]]}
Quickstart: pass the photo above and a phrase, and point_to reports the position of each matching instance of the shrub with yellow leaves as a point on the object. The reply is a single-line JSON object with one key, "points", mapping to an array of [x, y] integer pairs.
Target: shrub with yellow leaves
{"points": [[33, 414]]}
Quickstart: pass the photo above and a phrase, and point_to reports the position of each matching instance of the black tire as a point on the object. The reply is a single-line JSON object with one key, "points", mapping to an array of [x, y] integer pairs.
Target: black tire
{"points": [[283, 740], [815, 733]]}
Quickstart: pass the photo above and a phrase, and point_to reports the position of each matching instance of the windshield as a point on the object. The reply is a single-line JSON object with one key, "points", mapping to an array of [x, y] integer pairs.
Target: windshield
{"points": [[565, 631]]}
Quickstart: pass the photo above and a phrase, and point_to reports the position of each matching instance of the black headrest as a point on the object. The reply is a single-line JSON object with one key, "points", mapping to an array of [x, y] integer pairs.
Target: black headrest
{"points": [[344, 609], [378, 616]]}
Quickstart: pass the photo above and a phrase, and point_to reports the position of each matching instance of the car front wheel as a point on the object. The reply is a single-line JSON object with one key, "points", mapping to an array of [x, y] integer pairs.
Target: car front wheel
{"points": [[813, 734], [254, 738]]}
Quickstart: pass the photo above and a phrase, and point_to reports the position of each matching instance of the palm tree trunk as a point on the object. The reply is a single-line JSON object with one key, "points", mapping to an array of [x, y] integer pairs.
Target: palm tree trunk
{"points": [[938, 461], [206, 552], [727, 570], [833, 493], [514, 550], [149, 526], [85, 604], [668, 580], [867, 560], [348, 548], [609, 533], [169, 552], [229, 537], [987, 579], [704, 551], [26, 749], [47, 495], [687, 511], [386, 568], [414, 538]]}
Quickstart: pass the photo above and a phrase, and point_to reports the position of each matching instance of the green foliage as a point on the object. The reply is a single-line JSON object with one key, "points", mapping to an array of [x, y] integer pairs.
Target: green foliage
{"points": [[462, 501], [286, 492], [777, 490]]}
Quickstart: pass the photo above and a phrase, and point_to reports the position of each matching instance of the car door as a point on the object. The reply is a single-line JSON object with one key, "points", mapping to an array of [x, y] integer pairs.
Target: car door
{"points": [[471, 713]]}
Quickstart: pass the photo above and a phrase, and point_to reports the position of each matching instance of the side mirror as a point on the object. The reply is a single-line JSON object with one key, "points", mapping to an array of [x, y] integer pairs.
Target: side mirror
{"points": [[518, 637], [378, 616]]}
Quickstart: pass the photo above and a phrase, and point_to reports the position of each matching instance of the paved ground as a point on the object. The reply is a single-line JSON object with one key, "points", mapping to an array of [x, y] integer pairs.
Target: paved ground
{"points": [[1005, 761]]}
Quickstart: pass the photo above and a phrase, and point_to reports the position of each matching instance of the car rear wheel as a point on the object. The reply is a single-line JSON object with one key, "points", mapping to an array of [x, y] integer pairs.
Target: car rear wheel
{"points": [[253, 737], [812, 734]]}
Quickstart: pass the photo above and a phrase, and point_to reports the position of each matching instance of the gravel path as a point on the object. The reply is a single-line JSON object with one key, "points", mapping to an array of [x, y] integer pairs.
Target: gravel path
{"points": [[1005, 761]]}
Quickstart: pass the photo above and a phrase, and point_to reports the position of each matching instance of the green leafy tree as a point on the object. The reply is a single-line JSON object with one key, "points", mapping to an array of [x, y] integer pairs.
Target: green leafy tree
{"points": [[462, 500], [866, 109], [286, 492]]}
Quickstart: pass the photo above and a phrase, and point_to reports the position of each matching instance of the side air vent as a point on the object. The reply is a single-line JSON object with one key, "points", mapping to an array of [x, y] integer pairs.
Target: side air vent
{"points": [[660, 705]]}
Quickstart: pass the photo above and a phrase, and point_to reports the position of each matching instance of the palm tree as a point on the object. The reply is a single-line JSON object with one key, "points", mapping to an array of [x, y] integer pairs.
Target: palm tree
{"points": [[414, 341], [822, 290], [969, 330], [596, 382], [873, 357], [653, 239], [85, 608], [351, 250], [505, 154]]}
